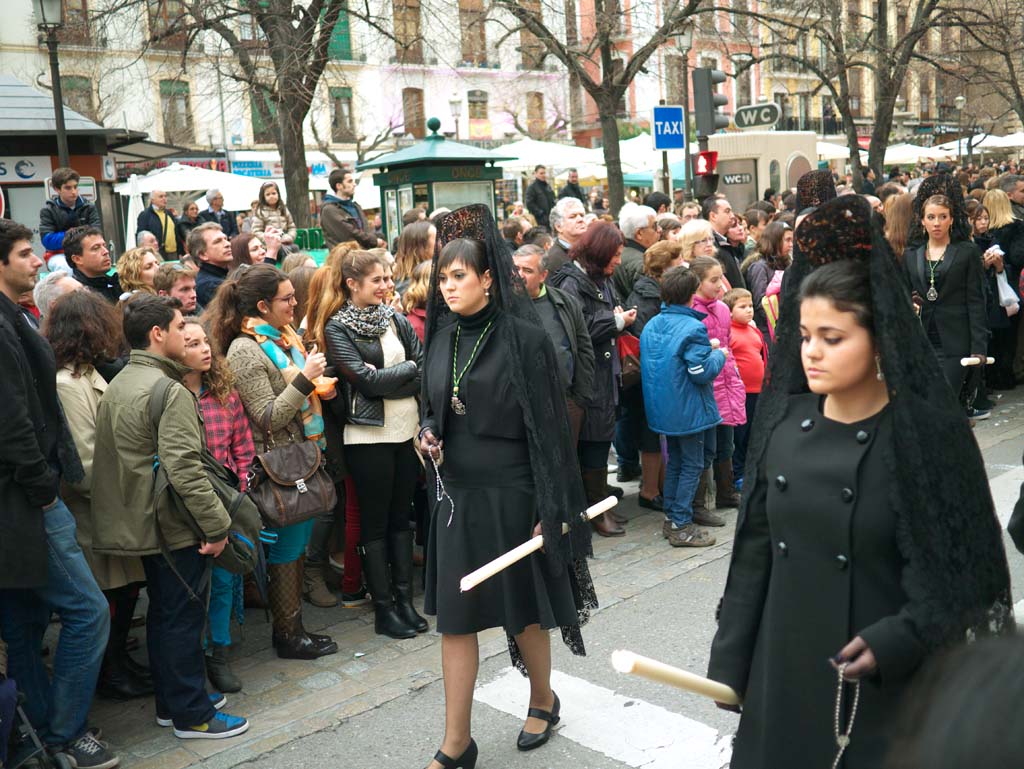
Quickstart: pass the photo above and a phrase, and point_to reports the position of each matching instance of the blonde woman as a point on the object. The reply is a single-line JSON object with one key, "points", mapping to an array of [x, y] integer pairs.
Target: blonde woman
{"points": [[415, 246], [414, 299], [137, 270], [899, 214], [1007, 233], [698, 239]]}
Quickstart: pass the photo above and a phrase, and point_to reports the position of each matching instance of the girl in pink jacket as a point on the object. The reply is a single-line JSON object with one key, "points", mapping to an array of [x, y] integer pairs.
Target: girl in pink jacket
{"points": [[730, 395]]}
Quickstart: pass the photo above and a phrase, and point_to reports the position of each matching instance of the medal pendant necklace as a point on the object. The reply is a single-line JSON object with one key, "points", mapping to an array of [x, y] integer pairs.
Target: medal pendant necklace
{"points": [[933, 264], [458, 406]]}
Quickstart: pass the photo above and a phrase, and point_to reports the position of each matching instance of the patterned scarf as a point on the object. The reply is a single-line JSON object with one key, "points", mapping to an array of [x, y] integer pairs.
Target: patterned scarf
{"points": [[284, 348], [372, 320]]}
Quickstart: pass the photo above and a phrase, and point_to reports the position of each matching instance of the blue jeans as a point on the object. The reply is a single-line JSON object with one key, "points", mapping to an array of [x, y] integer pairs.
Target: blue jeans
{"points": [[225, 600], [58, 708], [174, 636], [682, 475]]}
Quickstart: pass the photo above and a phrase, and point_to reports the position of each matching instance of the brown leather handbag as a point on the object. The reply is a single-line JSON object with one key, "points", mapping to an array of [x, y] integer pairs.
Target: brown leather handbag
{"points": [[290, 484]]}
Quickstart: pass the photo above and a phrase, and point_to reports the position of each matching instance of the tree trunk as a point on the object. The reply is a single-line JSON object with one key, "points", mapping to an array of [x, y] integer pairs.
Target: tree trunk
{"points": [[613, 164], [292, 148]]}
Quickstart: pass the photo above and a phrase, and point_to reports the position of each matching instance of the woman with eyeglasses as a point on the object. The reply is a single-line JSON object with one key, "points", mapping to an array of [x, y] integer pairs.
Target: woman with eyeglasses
{"points": [[698, 239], [251, 319]]}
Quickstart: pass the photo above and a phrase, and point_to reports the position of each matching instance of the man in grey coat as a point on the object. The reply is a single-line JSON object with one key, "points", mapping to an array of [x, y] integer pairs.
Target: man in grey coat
{"points": [[563, 320]]}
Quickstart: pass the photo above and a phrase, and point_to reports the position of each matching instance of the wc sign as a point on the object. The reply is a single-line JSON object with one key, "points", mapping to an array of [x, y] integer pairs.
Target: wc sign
{"points": [[669, 130]]}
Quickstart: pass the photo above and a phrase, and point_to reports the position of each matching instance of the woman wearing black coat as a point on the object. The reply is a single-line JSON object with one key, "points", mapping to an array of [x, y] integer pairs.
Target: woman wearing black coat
{"points": [[1008, 233], [857, 555], [947, 281], [378, 357], [586, 277]]}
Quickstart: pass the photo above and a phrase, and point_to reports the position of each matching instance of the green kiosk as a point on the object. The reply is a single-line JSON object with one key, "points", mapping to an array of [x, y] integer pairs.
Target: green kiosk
{"points": [[435, 173]]}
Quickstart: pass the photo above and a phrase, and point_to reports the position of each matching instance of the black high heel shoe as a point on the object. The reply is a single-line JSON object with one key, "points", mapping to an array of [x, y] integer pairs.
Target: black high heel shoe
{"points": [[466, 761], [528, 741]]}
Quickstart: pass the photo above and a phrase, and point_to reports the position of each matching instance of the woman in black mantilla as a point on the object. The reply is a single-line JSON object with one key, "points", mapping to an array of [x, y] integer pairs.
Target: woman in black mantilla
{"points": [[946, 276], [495, 423], [868, 537]]}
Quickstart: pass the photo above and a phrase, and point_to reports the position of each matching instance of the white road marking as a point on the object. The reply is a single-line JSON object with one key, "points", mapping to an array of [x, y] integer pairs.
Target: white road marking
{"points": [[626, 729], [1005, 490]]}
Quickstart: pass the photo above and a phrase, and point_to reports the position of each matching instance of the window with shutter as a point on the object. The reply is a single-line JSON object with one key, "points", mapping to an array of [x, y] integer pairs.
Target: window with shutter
{"points": [[176, 106]]}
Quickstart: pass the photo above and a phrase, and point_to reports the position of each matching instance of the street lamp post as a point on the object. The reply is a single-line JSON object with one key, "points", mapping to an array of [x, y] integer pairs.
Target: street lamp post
{"points": [[960, 102], [50, 18], [455, 103], [684, 42]]}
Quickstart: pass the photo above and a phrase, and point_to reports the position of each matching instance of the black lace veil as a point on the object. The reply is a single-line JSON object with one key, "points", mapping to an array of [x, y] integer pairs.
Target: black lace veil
{"points": [[956, 575], [940, 184], [559, 486]]}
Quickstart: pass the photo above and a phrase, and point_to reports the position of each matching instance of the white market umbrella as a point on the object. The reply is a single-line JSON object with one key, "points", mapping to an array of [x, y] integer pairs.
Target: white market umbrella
{"points": [[239, 191], [135, 207], [903, 154], [959, 146]]}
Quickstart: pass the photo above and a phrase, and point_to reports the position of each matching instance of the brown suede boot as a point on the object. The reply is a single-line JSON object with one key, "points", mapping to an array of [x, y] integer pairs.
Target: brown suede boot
{"points": [[314, 586], [726, 495], [595, 483]]}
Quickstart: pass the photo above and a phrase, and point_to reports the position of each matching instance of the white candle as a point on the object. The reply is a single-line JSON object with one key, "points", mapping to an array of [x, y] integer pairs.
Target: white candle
{"points": [[645, 667], [975, 361], [488, 570]]}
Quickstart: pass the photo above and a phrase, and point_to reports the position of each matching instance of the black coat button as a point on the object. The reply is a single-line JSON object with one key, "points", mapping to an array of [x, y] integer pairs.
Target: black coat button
{"points": [[843, 562], [846, 495], [862, 436], [783, 550], [781, 483], [807, 424]]}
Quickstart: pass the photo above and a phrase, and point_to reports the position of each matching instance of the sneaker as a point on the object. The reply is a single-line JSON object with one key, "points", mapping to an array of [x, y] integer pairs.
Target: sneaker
{"points": [[358, 598], [689, 536], [217, 699], [979, 414], [89, 753], [220, 727]]}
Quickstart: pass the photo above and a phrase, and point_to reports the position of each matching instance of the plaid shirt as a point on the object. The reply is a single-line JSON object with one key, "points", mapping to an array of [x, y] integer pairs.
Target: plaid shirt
{"points": [[227, 432]]}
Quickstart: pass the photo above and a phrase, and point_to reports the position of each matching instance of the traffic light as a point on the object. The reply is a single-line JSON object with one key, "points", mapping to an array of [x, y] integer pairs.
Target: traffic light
{"points": [[704, 177], [707, 161], [706, 100]]}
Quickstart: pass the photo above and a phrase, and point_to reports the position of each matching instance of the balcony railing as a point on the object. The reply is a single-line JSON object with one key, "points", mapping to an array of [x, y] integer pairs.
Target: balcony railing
{"points": [[825, 126]]}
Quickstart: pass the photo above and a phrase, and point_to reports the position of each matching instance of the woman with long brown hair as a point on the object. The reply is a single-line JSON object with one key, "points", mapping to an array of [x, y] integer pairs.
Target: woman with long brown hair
{"points": [[251, 317], [378, 357], [136, 270], [899, 213], [415, 246], [229, 440]]}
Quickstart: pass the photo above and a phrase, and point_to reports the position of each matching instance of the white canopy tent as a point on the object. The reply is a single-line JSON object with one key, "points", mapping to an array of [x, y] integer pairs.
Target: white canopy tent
{"points": [[833, 151], [239, 191], [905, 154], [529, 153]]}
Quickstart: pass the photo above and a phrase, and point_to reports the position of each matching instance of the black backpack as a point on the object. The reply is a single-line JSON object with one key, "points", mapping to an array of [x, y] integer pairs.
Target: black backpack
{"points": [[243, 550]]}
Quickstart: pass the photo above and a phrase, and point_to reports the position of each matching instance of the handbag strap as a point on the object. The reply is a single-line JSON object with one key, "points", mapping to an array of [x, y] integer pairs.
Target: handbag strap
{"points": [[268, 435]]}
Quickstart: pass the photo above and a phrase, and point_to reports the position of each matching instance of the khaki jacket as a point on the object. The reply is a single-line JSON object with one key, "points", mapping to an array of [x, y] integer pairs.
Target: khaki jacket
{"points": [[80, 398], [122, 469]]}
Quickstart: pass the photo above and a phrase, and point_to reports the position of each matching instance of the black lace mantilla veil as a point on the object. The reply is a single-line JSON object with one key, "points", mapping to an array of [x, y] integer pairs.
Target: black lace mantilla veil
{"points": [[940, 184], [556, 475], [956, 576]]}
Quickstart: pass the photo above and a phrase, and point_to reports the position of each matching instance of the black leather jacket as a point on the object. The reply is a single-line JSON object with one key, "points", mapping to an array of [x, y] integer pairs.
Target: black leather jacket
{"points": [[364, 389]]}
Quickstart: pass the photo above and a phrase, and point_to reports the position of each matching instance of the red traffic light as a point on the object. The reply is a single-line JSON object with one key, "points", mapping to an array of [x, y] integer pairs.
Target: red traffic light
{"points": [[707, 161]]}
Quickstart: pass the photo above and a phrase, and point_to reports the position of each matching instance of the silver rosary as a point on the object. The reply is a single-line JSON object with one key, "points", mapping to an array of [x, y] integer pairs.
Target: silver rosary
{"points": [[439, 490], [843, 738]]}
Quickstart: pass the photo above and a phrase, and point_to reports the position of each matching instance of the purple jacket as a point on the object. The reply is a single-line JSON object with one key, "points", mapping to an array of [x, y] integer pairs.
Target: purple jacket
{"points": [[730, 394]]}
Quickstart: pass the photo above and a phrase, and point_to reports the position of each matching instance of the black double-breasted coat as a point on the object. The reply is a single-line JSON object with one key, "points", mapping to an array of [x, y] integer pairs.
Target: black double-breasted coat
{"points": [[815, 564]]}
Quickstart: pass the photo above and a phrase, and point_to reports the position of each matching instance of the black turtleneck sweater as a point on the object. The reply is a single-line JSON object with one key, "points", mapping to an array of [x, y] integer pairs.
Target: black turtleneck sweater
{"points": [[471, 327], [107, 285]]}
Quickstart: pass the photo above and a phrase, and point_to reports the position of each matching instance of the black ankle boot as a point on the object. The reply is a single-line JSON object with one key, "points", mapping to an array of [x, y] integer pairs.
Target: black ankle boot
{"points": [[400, 543], [387, 620]]}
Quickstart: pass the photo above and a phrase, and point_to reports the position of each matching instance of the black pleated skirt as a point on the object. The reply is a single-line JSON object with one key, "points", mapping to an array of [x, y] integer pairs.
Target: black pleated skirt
{"points": [[491, 487]]}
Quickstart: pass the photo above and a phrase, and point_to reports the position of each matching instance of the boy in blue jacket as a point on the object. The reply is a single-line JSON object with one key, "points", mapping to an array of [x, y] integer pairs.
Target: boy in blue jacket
{"points": [[678, 366]]}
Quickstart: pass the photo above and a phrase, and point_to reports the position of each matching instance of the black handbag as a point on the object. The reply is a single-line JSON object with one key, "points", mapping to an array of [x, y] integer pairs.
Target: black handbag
{"points": [[290, 483]]}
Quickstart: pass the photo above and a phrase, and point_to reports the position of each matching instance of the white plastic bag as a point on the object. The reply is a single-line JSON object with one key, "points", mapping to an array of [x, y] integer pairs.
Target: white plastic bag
{"points": [[1007, 298]]}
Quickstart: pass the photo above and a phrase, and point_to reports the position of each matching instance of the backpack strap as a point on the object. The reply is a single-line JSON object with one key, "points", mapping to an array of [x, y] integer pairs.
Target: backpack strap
{"points": [[162, 484]]}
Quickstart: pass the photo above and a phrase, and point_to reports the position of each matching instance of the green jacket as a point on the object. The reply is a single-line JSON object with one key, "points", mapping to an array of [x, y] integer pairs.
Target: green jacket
{"points": [[122, 475]]}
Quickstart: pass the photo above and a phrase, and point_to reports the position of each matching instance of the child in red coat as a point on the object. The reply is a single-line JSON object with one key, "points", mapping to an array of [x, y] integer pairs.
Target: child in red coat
{"points": [[751, 354]]}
